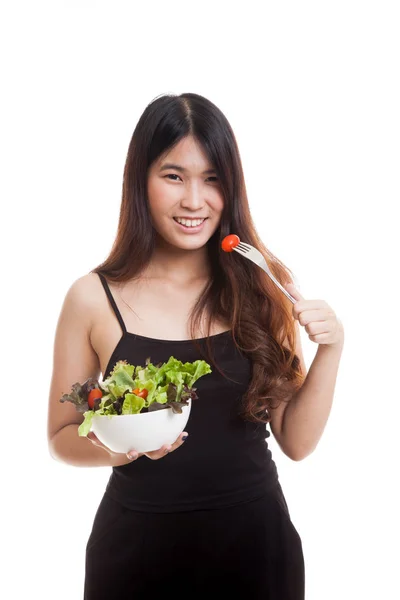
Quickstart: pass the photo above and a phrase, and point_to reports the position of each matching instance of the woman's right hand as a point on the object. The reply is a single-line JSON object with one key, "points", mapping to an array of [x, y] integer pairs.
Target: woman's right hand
{"points": [[133, 455]]}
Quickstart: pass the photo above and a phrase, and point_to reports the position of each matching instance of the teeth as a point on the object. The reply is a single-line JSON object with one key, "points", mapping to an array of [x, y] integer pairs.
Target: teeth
{"points": [[189, 222]]}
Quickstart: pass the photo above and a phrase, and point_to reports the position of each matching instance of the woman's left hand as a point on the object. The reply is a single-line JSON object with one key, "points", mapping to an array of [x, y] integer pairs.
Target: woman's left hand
{"points": [[318, 319]]}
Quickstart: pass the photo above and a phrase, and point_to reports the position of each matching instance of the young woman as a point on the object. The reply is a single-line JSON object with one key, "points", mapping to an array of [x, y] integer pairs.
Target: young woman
{"points": [[206, 515]]}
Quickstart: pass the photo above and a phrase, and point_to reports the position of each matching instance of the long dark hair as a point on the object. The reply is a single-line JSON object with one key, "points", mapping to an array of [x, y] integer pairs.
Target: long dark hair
{"points": [[239, 292]]}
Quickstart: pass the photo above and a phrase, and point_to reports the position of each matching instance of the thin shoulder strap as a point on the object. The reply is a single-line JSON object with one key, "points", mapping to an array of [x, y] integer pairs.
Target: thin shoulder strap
{"points": [[112, 302]]}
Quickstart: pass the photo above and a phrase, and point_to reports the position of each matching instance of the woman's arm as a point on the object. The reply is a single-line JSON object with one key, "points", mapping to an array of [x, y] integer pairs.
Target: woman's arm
{"points": [[74, 359], [306, 415], [67, 446]]}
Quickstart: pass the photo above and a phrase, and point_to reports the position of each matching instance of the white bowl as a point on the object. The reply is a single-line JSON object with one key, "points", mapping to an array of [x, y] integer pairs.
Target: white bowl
{"points": [[143, 432]]}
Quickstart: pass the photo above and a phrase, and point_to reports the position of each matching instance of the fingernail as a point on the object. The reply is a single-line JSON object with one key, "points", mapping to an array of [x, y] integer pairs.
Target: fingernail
{"points": [[132, 456], [166, 451], [184, 437]]}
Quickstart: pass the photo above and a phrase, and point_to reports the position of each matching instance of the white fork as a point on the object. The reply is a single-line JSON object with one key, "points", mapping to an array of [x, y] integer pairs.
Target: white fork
{"points": [[256, 257]]}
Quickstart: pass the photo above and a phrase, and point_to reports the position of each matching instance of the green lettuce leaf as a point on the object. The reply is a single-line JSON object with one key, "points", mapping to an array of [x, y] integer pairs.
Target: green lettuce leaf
{"points": [[85, 426], [132, 404]]}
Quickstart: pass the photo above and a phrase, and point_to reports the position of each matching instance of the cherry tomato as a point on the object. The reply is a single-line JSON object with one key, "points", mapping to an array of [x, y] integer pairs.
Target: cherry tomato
{"points": [[141, 393], [93, 395], [230, 242]]}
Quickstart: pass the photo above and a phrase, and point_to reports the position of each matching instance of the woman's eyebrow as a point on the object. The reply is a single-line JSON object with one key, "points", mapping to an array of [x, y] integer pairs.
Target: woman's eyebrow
{"points": [[182, 169]]}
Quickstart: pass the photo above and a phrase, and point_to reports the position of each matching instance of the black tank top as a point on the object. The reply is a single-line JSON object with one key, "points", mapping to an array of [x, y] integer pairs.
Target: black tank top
{"points": [[224, 461]]}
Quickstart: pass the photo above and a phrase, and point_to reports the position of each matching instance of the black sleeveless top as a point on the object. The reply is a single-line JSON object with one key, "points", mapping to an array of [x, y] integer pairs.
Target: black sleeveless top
{"points": [[224, 461]]}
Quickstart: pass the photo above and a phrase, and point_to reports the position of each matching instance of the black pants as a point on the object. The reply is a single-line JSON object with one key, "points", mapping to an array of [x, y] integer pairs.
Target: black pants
{"points": [[250, 551]]}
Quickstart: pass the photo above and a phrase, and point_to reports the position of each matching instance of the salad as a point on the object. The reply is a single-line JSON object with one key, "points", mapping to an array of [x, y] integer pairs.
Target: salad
{"points": [[131, 390]]}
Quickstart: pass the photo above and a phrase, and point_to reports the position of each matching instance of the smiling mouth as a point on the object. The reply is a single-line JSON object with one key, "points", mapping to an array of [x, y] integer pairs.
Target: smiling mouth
{"points": [[186, 222]]}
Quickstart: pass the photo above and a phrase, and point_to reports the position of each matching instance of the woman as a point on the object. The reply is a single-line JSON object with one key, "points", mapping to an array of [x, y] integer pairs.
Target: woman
{"points": [[206, 515]]}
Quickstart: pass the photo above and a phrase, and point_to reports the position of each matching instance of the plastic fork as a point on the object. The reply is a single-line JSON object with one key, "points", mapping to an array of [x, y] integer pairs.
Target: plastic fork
{"points": [[257, 258]]}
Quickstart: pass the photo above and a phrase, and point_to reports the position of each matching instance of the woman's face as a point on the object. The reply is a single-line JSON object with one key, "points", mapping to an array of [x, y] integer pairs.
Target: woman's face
{"points": [[190, 192]]}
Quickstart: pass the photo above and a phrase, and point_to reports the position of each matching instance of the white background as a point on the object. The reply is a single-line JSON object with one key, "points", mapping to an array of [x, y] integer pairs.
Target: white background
{"points": [[311, 90]]}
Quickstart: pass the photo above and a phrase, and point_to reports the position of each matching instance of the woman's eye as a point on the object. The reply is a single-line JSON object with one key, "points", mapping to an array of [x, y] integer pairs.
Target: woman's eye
{"points": [[175, 175]]}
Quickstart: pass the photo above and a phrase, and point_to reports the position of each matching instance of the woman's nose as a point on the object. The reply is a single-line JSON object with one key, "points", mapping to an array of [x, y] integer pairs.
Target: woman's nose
{"points": [[193, 198]]}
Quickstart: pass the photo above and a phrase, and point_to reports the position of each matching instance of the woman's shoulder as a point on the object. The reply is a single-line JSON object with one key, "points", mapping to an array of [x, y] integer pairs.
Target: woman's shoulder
{"points": [[86, 291]]}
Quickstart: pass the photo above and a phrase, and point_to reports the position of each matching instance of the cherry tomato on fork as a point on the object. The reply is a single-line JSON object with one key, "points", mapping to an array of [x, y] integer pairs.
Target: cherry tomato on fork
{"points": [[141, 393], [93, 395], [230, 242]]}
